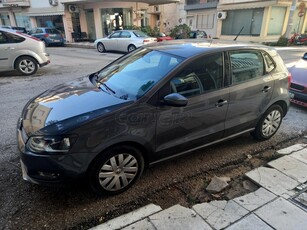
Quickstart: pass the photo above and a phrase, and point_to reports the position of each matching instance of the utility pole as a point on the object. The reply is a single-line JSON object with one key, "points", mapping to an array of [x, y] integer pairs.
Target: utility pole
{"points": [[290, 21]]}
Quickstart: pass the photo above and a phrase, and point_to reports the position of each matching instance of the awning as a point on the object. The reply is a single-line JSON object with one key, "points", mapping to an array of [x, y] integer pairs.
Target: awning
{"points": [[46, 11], [238, 6], [150, 2]]}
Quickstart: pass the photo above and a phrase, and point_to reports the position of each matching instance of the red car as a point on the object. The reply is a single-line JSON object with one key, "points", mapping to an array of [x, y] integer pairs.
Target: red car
{"points": [[163, 37], [298, 39], [298, 86]]}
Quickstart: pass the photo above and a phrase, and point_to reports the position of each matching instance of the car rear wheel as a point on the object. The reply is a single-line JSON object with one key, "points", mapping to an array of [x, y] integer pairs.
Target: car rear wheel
{"points": [[100, 48], [26, 65], [269, 123], [131, 48], [116, 170]]}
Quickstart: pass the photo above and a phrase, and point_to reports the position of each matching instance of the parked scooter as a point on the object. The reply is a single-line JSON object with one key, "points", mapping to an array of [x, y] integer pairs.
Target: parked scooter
{"points": [[298, 39]]}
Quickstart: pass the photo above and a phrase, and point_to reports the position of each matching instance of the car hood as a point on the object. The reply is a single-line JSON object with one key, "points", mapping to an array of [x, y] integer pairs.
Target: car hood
{"points": [[299, 73], [67, 105]]}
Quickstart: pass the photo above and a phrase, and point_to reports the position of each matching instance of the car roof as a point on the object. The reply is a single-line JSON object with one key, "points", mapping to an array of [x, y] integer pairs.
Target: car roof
{"points": [[190, 47]]}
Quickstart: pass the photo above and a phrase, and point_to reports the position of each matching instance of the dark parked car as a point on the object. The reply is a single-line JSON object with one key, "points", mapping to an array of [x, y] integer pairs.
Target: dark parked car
{"points": [[50, 36], [16, 28], [153, 104], [198, 34], [298, 87]]}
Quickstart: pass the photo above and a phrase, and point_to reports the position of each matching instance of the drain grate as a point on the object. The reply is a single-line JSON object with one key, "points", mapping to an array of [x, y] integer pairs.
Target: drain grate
{"points": [[300, 198]]}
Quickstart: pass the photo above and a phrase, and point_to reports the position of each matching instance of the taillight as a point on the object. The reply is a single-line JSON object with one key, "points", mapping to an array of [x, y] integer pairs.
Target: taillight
{"points": [[46, 35], [289, 79]]}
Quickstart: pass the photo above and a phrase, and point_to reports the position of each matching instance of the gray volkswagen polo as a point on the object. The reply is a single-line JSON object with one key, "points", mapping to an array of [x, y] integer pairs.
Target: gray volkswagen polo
{"points": [[152, 104]]}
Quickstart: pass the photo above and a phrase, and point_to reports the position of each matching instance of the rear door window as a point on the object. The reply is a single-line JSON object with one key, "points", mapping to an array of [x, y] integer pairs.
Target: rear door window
{"points": [[246, 65], [3, 38]]}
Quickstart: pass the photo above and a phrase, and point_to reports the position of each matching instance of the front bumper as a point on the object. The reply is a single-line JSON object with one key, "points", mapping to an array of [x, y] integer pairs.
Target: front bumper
{"points": [[298, 98], [49, 169]]}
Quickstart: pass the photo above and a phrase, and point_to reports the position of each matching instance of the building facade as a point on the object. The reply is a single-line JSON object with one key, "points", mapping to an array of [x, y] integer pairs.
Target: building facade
{"points": [[258, 20]]}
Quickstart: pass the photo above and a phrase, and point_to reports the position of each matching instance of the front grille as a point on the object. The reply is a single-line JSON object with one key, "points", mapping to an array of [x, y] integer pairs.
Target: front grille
{"points": [[297, 87], [300, 99]]}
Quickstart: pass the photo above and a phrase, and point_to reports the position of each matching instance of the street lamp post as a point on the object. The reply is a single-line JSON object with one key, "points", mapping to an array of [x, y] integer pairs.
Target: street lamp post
{"points": [[290, 21]]}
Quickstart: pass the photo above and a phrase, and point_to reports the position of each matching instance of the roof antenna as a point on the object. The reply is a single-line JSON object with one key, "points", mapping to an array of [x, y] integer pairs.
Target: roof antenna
{"points": [[238, 34]]}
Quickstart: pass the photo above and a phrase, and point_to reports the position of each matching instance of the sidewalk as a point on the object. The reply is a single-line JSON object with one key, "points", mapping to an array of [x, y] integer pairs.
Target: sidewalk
{"points": [[280, 203], [87, 45]]}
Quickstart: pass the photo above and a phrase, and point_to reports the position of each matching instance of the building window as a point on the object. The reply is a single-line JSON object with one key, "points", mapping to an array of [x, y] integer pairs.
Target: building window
{"points": [[55, 21], [5, 19], [276, 20], [205, 21], [23, 21], [116, 19], [248, 19]]}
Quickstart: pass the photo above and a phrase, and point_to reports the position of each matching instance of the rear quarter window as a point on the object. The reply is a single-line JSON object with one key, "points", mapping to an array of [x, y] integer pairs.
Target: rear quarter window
{"points": [[13, 38]]}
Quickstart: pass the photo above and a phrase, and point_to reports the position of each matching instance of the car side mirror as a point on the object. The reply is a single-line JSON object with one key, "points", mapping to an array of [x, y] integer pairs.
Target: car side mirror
{"points": [[305, 56], [175, 99]]}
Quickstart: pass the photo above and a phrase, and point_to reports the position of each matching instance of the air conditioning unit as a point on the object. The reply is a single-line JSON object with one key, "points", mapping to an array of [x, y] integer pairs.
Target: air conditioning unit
{"points": [[221, 15], [53, 2], [73, 9]]}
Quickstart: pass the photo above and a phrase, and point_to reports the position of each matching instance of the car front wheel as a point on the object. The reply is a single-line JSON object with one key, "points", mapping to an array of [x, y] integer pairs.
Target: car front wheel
{"points": [[100, 47], [26, 65], [116, 170], [269, 123]]}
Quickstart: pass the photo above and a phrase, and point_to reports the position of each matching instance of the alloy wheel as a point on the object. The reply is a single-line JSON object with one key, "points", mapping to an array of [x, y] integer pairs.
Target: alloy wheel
{"points": [[118, 172], [271, 123], [27, 66]]}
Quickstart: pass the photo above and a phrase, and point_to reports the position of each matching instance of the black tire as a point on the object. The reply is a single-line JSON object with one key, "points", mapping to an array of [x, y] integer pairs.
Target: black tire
{"points": [[131, 48], [116, 170], [101, 48], [26, 65], [269, 123]]}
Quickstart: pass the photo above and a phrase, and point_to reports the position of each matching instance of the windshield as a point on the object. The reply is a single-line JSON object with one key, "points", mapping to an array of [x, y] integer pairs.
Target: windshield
{"points": [[52, 31], [130, 77]]}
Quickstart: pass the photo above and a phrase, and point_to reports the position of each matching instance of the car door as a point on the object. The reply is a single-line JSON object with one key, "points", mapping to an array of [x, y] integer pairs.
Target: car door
{"points": [[250, 90], [111, 42], [7, 49], [124, 41], [181, 129]]}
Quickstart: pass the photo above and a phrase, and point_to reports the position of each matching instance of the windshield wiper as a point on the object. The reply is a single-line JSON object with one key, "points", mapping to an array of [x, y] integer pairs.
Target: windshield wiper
{"points": [[107, 87]]}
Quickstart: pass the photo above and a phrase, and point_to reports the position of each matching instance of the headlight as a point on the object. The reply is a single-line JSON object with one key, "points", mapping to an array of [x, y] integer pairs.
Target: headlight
{"points": [[41, 144]]}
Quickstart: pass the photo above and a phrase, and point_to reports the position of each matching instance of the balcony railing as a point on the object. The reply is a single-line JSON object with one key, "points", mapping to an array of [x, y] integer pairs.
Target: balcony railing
{"points": [[14, 3], [197, 6]]}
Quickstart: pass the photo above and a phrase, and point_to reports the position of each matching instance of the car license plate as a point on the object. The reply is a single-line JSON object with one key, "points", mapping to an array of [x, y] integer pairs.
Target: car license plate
{"points": [[56, 40]]}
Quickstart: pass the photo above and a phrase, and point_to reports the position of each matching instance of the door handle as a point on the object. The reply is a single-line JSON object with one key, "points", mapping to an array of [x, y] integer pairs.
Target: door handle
{"points": [[10, 48], [266, 89], [220, 103]]}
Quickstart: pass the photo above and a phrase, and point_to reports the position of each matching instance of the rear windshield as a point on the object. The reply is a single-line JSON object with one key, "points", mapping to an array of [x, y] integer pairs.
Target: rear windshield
{"points": [[52, 31], [140, 34]]}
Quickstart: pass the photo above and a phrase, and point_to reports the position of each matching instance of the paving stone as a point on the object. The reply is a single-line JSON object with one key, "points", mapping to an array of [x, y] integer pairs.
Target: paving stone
{"points": [[292, 167], [129, 218], [143, 224], [179, 218], [251, 222], [291, 149], [255, 199], [300, 155], [273, 180], [283, 215], [220, 214], [217, 184]]}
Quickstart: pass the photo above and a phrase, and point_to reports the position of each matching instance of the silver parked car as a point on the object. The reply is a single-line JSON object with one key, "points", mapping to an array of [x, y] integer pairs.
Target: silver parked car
{"points": [[124, 41], [21, 52]]}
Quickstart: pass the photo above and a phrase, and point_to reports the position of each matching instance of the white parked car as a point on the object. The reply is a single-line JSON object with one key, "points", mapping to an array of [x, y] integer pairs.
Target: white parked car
{"points": [[124, 41], [21, 52]]}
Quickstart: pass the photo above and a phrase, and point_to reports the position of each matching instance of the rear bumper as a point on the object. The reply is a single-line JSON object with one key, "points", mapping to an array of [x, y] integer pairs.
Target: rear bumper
{"points": [[45, 63]]}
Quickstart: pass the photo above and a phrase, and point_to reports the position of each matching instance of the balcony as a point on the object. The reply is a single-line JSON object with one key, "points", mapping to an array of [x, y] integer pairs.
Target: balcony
{"points": [[14, 3], [150, 2], [196, 5]]}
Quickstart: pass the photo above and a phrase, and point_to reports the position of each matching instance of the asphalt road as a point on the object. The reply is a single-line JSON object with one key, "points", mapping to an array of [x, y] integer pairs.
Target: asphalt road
{"points": [[27, 206]]}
